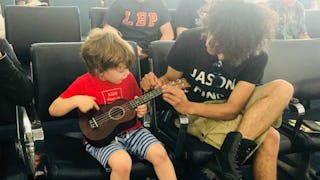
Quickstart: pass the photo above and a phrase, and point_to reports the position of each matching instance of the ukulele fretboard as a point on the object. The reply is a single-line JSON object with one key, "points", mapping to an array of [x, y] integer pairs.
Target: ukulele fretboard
{"points": [[145, 98]]}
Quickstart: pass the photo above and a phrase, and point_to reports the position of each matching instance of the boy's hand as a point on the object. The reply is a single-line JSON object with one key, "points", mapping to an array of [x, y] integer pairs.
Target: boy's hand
{"points": [[150, 81], [141, 110], [86, 103]]}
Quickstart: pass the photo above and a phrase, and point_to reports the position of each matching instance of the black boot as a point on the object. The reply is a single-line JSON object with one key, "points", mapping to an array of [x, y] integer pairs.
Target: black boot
{"points": [[228, 157], [246, 147]]}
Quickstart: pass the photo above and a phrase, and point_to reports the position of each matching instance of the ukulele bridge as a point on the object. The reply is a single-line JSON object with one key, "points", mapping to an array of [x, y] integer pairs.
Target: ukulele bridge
{"points": [[93, 123]]}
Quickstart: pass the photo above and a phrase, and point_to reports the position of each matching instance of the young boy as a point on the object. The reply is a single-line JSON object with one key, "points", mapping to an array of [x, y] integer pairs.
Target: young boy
{"points": [[108, 58]]}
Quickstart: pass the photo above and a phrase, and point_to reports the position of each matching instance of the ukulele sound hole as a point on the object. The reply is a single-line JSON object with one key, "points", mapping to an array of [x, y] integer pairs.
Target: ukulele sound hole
{"points": [[116, 113]]}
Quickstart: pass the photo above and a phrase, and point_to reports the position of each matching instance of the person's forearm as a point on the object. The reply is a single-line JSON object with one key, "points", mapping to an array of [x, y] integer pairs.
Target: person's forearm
{"points": [[167, 36], [180, 30], [60, 106], [109, 28], [304, 36], [211, 111], [166, 32]]}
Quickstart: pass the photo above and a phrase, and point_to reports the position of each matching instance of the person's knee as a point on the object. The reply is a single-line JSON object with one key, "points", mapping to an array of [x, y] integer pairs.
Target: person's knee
{"points": [[272, 141], [120, 163], [157, 154], [281, 88]]}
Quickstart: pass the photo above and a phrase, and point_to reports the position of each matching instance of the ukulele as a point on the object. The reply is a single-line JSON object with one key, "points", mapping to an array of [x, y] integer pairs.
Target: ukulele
{"points": [[100, 127]]}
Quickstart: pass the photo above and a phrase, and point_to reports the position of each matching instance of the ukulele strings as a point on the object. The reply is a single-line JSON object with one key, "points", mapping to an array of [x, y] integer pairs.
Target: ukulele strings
{"points": [[105, 116]]}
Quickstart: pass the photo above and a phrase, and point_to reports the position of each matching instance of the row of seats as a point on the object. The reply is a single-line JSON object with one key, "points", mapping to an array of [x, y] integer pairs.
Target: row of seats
{"points": [[295, 61], [62, 24], [51, 61], [85, 9]]}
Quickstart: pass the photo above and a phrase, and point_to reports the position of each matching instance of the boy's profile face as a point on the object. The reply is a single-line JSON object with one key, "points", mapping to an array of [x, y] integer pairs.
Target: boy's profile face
{"points": [[114, 75]]}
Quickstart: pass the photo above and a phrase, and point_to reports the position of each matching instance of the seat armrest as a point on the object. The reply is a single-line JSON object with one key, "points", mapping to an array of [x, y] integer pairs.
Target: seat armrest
{"points": [[147, 118], [299, 110], [184, 123]]}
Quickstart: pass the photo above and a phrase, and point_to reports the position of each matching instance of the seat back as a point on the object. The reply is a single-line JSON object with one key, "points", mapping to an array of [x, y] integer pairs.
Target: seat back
{"points": [[158, 53], [54, 67], [298, 62], [27, 25], [84, 6], [96, 15], [312, 23], [171, 4]]}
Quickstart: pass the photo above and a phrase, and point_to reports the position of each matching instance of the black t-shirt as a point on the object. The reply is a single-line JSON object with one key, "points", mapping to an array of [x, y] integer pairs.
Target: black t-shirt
{"points": [[138, 21], [187, 13], [189, 55]]}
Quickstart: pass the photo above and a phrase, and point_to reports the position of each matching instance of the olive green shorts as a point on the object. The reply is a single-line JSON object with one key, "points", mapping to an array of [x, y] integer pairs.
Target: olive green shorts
{"points": [[214, 132]]}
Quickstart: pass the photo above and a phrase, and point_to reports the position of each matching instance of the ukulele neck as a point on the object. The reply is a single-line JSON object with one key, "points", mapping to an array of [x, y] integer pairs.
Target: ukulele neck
{"points": [[145, 98]]}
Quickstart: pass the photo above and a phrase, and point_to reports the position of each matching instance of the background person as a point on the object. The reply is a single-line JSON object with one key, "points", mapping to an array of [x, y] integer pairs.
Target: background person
{"points": [[292, 19]]}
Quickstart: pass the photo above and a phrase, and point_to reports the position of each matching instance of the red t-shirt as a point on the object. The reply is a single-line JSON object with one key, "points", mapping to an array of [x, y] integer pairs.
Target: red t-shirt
{"points": [[104, 92]]}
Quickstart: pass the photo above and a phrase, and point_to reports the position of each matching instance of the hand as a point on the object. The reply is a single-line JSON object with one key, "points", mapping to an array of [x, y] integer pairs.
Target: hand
{"points": [[150, 81], [141, 110], [141, 54], [177, 98], [86, 103]]}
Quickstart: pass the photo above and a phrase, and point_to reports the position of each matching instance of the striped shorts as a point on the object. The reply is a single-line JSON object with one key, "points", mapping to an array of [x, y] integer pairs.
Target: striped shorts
{"points": [[135, 142]]}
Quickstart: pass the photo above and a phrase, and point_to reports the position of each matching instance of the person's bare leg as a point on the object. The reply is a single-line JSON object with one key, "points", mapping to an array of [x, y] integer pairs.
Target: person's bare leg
{"points": [[259, 117], [265, 162], [262, 113], [120, 162], [162, 164]]}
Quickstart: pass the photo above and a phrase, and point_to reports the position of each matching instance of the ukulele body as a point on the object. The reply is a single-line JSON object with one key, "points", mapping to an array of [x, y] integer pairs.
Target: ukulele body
{"points": [[100, 127]]}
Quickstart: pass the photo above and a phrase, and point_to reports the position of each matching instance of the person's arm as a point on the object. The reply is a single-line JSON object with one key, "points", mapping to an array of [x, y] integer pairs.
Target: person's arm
{"points": [[314, 4], [62, 106], [225, 111], [110, 28], [166, 31], [21, 3], [14, 82], [302, 24], [304, 35], [180, 30]]}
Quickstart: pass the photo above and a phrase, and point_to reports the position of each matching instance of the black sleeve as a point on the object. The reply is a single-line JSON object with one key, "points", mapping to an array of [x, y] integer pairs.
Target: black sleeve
{"points": [[183, 50], [114, 15], [14, 81], [164, 13]]}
